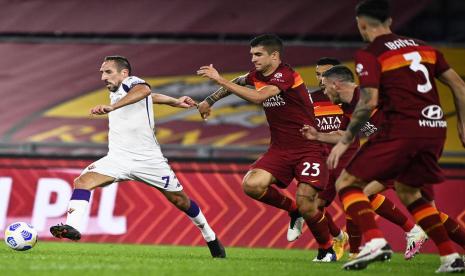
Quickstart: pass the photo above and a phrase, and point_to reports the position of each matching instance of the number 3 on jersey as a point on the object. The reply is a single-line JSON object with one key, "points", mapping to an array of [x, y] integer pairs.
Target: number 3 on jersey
{"points": [[313, 167], [415, 66]]}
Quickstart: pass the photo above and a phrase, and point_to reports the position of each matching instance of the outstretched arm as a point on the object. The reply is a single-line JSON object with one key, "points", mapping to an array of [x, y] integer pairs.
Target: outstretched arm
{"points": [[182, 102], [134, 95], [368, 101], [251, 95], [457, 86], [311, 133], [204, 107]]}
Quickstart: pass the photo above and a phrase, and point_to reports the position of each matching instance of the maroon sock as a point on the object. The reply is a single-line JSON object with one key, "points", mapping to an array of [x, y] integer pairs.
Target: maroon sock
{"points": [[428, 218], [275, 198], [334, 230], [355, 236], [454, 230], [318, 225], [357, 206], [384, 207]]}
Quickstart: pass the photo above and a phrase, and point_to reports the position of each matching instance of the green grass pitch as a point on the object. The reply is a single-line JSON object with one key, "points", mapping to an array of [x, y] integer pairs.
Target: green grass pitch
{"points": [[70, 258]]}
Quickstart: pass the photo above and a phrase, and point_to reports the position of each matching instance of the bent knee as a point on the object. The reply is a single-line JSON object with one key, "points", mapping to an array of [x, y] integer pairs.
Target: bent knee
{"points": [[254, 187]]}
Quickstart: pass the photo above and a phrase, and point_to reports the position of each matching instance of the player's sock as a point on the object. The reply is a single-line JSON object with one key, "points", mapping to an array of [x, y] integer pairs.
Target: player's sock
{"points": [[428, 218], [197, 217], [454, 230], [334, 230], [384, 207], [77, 208], [275, 198], [355, 236], [357, 206], [318, 225]]}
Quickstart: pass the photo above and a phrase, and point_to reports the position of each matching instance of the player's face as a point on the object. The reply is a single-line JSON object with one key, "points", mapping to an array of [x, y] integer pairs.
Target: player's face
{"points": [[110, 75], [362, 28], [261, 59], [330, 87], [320, 69]]}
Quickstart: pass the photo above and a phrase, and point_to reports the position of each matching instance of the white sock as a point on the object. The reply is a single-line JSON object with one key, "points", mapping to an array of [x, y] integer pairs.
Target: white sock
{"points": [[77, 209], [201, 222]]}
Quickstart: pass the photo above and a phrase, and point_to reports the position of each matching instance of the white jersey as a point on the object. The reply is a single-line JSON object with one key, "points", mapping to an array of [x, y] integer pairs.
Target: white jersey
{"points": [[131, 127]]}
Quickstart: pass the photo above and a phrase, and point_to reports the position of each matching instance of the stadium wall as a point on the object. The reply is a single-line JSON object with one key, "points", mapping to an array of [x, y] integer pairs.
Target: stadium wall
{"points": [[37, 190]]}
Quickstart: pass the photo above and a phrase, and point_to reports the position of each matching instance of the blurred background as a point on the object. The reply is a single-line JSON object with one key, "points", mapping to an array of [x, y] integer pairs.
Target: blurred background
{"points": [[51, 51]]}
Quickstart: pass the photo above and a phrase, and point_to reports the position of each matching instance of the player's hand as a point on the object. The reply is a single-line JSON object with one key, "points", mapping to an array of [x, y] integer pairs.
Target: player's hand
{"points": [[209, 72], [309, 132], [336, 152], [101, 109], [204, 110], [185, 102], [461, 131]]}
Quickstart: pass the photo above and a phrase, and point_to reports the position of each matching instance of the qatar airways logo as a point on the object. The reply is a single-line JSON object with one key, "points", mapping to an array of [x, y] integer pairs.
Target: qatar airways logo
{"points": [[434, 117], [274, 101], [328, 123]]}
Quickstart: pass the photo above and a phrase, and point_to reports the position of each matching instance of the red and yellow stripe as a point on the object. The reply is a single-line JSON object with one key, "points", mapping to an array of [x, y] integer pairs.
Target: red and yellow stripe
{"points": [[322, 110], [392, 62], [377, 201], [424, 212], [352, 197], [297, 80]]}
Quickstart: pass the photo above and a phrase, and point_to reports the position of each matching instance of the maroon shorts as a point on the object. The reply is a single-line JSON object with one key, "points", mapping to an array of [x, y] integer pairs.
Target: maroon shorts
{"points": [[411, 161], [305, 166]]}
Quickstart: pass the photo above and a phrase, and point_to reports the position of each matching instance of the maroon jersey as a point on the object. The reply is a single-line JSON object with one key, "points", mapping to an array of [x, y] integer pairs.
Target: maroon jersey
{"points": [[403, 69], [332, 117], [288, 111]]}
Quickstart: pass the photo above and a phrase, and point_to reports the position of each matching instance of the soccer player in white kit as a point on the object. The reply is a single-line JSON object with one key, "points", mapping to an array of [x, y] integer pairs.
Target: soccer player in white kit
{"points": [[134, 152]]}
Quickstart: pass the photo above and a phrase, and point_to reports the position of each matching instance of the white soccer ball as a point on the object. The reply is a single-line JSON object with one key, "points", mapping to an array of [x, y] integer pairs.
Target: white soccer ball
{"points": [[20, 236]]}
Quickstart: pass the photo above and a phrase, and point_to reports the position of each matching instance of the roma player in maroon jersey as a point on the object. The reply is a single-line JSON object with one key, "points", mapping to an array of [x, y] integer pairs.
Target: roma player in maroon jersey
{"points": [[334, 103], [397, 74], [284, 97]]}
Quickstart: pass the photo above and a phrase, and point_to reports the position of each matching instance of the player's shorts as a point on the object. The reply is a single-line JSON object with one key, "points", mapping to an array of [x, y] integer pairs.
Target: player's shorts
{"points": [[411, 161], [154, 172], [304, 165]]}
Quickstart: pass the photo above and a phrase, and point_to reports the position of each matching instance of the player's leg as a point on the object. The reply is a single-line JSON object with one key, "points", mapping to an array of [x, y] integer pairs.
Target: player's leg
{"points": [[427, 216], [355, 238], [455, 231], [194, 213], [257, 185], [385, 208], [159, 174], [273, 168], [78, 204], [422, 170], [307, 203], [340, 237], [358, 207]]}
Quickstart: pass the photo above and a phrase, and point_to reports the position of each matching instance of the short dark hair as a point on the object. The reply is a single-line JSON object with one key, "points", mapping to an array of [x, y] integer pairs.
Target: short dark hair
{"points": [[328, 61], [271, 43], [121, 62], [340, 72], [376, 9]]}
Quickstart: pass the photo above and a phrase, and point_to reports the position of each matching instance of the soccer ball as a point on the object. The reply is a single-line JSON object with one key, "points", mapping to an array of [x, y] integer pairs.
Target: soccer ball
{"points": [[20, 236]]}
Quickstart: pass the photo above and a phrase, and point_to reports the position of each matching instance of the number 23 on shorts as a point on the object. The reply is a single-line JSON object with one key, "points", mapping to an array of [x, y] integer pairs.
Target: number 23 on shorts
{"points": [[311, 169]]}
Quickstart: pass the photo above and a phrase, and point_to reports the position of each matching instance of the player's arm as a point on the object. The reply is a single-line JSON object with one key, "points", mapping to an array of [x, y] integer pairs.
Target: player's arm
{"points": [[457, 86], [365, 106], [204, 107], [251, 95], [137, 93], [181, 102], [311, 133]]}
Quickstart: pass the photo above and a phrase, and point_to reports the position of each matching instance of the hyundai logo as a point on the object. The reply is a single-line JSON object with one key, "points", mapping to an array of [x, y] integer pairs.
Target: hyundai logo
{"points": [[432, 112]]}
